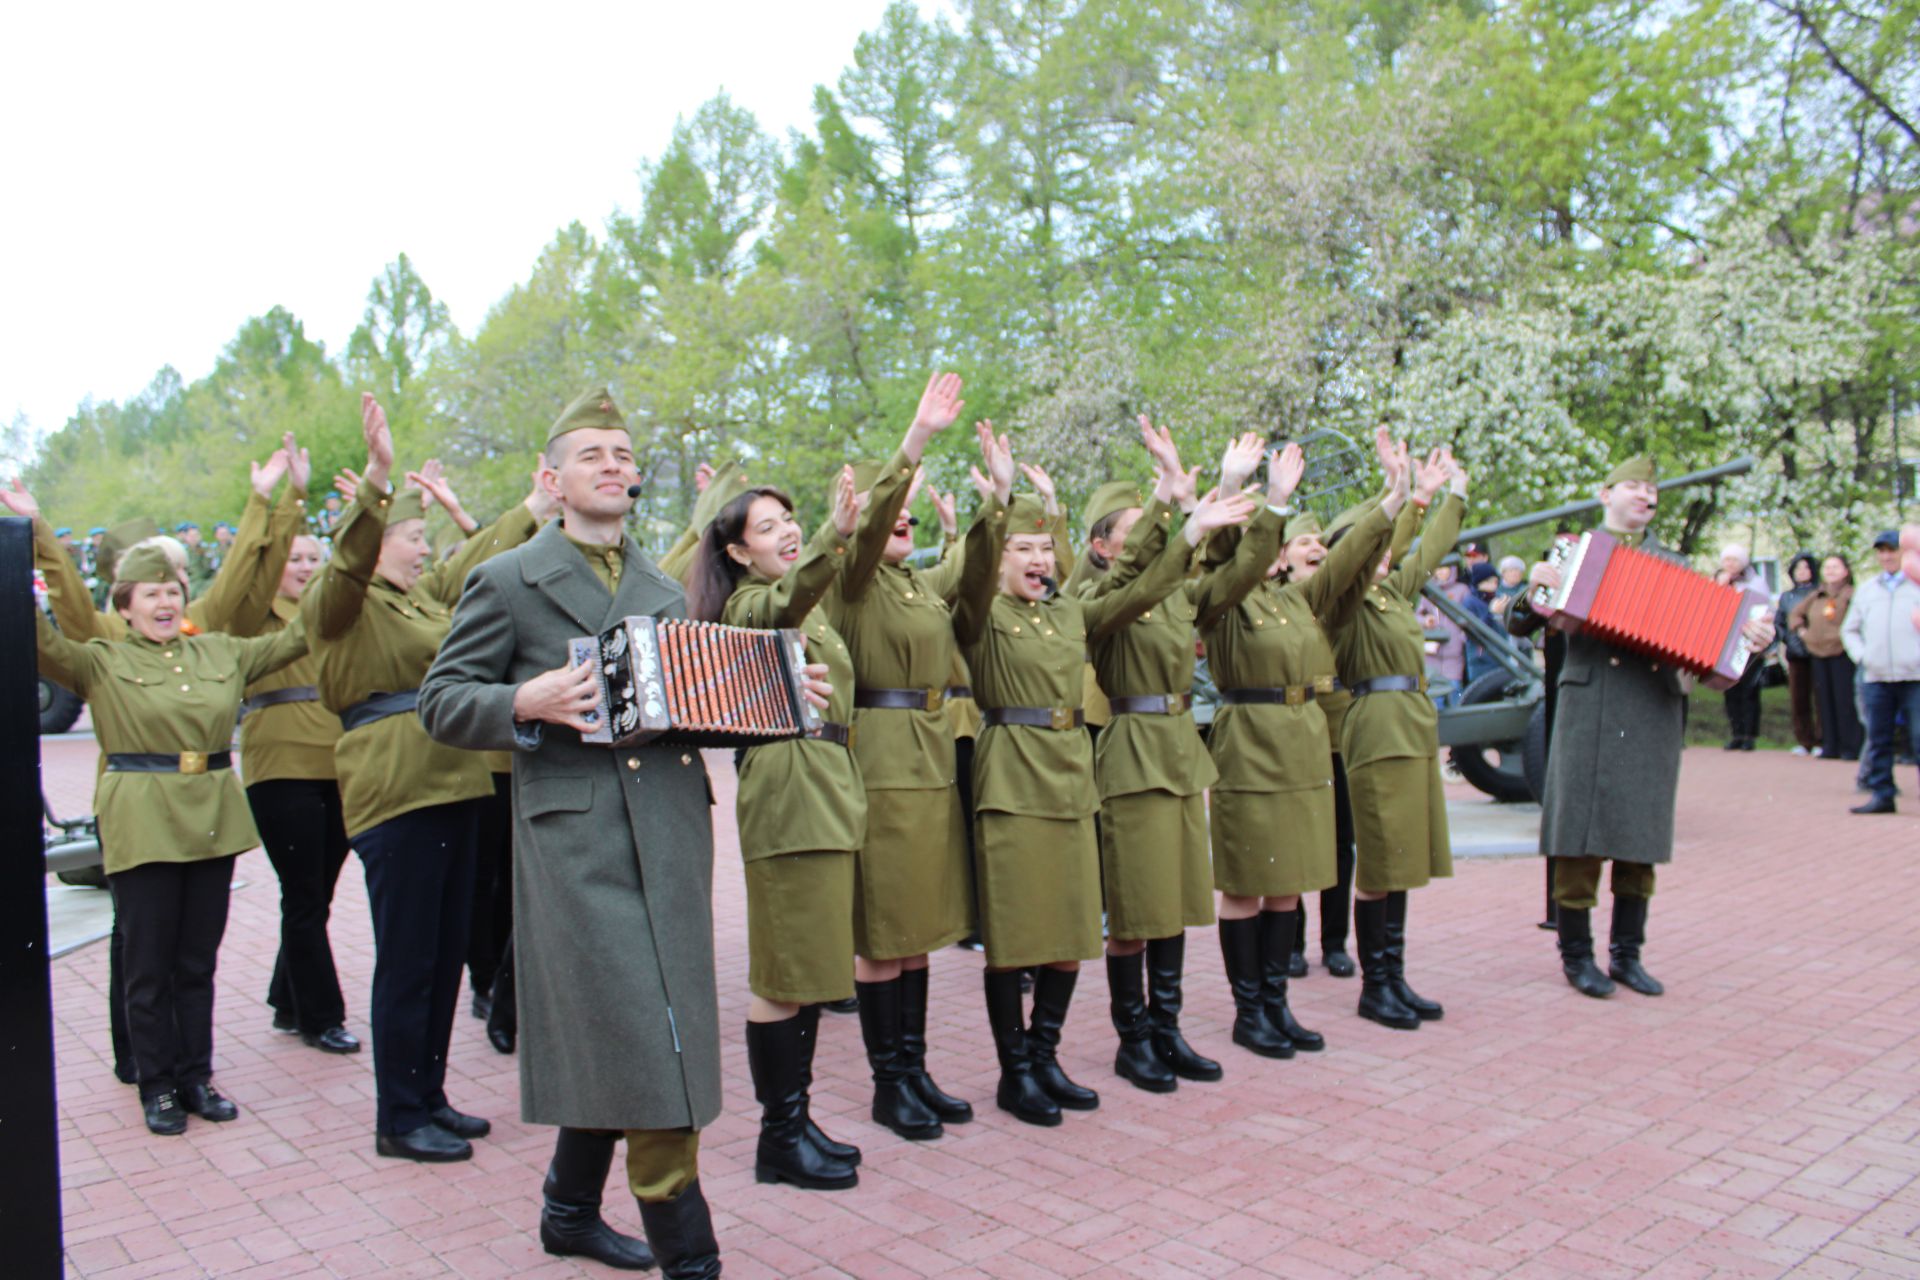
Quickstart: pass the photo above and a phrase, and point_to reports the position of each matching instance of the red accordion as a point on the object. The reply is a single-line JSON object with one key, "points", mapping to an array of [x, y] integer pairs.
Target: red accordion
{"points": [[1650, 605], [696, 683]]}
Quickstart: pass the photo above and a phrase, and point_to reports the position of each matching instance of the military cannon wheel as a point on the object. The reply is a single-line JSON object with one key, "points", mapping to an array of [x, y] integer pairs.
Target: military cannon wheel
{"points": [[58, 707], [1497, 768]]}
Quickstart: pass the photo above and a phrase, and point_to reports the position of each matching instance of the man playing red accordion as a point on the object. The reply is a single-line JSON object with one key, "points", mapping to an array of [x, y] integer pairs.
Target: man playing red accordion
{"points": [[1613, 764]]}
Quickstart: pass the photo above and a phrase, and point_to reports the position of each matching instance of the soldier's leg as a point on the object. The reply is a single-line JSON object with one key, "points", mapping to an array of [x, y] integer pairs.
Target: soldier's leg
{"points": [[1576, 887], [663, 1172], [570, 1221], [1632, 887]]}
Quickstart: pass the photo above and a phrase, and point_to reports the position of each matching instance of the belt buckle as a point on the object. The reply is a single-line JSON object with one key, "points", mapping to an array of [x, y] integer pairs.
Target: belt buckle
{"points": [[1323, 684], [936, 699], [1060, 718], [1296, 694], [193, 762], [1178, 702], [852, 732]]}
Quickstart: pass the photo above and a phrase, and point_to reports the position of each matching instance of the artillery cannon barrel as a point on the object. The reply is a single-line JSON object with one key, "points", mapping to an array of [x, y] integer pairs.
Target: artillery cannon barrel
{"points": [[1739, 466]]}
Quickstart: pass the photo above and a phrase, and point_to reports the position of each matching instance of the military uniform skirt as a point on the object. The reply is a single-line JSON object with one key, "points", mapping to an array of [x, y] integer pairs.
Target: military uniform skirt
{"points": [[1039, 889], [1400, 824], [911, 892], [800, 927], [1273, 844], [1153, 864]]}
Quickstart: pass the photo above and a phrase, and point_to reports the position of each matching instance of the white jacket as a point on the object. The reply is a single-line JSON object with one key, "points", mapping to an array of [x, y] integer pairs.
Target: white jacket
{"points": [[1879, 632]]}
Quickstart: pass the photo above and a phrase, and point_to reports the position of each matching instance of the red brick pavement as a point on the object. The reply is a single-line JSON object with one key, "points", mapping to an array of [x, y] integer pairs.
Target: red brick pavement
{"points": [[1759, 1120]]}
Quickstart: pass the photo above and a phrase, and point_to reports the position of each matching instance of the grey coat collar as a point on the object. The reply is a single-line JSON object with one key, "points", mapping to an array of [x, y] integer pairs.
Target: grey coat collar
{"points": [[552, 564]]}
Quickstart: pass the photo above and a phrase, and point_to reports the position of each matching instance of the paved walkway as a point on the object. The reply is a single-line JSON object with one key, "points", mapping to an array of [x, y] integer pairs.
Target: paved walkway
{"points": [[1760, 1120]]}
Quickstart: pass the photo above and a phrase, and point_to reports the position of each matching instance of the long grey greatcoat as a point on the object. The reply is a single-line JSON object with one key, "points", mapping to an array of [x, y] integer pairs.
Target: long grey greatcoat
{"points": [[612, 854], [1613, 765]]}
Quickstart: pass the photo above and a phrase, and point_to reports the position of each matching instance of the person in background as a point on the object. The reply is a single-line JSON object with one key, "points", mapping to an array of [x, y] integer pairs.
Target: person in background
{"points": [[1743, 698], [1801, 574], [1882, 636], [1815, 622], [1482, 579], [1447, 655], [1513, 582]]}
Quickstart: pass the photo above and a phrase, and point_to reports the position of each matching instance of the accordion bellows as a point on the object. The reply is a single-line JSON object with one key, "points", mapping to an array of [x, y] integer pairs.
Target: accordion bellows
{"points": [[1650, 605], [695, 683]]}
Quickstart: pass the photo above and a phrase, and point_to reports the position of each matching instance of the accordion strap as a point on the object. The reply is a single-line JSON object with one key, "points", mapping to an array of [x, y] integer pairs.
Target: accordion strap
{"points": [[830, 731]]}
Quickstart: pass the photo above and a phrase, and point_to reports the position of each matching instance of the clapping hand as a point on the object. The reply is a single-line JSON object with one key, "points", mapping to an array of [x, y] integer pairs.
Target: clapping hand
{"points": [[267, 474], [1240, 461], [1172, 483], [379, 438], [1217, 512], [299, 464], [939, 408], [19, 501], [1043, 485], [1285, 469], [943, 508], [998, 455], [847, 504]]}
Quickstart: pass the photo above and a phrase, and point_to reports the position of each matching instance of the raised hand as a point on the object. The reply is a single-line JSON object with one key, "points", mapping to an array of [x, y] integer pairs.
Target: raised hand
{"points": [[267, 474], [914, 486], [1383, 446], [1043, 485], [19, 501], [1399, 480], [943, 505], [940, 406], [1159, 445], [998, 454], [379, 438], [1428, 476], [1217, 512], [847, 504], [1457, 477], [347, 484], [432, 481], [1240, 461], [702, 477], [299, 464], [1285, 469]]}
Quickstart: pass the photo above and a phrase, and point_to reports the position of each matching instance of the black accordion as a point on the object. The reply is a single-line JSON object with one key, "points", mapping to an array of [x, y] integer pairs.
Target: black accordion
{"points": [[698, 684]]}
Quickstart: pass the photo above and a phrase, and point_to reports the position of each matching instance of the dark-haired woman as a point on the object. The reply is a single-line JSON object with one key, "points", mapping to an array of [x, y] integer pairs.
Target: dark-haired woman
{"points": [[1035, 796], [172, 815], [1802, 581], [1390, 743], [911, 891], [802, 813], [1816, 620]]}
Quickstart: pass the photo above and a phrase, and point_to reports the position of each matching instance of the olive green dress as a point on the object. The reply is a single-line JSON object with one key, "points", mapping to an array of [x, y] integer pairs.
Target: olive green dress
{"points": [[1034, 795], [371, 637], [802, 809], [1273, 814], [1390, 742], [911, 892]]}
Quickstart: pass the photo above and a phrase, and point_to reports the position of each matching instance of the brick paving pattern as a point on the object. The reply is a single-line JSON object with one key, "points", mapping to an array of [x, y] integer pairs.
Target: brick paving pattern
{"points": [[1760, 1120]]}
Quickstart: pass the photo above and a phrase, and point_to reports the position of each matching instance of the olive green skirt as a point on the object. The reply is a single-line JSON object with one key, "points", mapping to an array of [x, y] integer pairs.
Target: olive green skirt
{"points": [[800, 927], [1039, 889], [1399, 824], [1153, 864], [1273, 844], [911, 891]]}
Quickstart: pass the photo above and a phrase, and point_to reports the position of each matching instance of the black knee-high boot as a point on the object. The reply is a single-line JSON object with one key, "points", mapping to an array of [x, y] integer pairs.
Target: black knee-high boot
{"points": [[1428, 1010], [570, 1221], [1166, 967], [1336, 908], [1576, 953], [913, 1048], [895, 1104], [1019, 1093], [1246, 975], [1135, 1061], [681, 1233], [1052, 994], [845, 1152], [1278, 941], [1378, 1003], [776, 1055], [1629, 935]]}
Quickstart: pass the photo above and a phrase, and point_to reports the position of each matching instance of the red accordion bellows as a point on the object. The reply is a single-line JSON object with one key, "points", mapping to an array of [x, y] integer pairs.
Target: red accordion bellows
{"points": [[1651, 606]]}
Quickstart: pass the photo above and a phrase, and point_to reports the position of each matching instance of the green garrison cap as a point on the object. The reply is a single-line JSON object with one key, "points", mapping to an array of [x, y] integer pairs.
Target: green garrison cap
{"points": [[1027, 514], [115, 542], [1639, 467], [408, 504], [145, 564], [1115, 495], [593, 407], [1303, 525], [729, 482]]}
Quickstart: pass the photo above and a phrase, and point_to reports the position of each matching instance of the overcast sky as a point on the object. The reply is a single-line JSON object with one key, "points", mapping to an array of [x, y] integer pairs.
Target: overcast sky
{"points": [[170, 170]]}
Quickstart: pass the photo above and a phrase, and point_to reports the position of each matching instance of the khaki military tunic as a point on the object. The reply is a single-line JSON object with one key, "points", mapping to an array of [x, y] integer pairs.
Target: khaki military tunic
{"points": [[1273, 817], [1390, 740], [371, 637], [801, 805], [1035, 855], [173, 699]]}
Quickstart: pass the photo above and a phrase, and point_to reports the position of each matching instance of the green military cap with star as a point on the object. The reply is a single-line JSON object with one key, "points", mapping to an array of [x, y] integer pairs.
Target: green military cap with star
{"points": [[591, 408], [1639, 467], [1111, 497], [145, 564]]}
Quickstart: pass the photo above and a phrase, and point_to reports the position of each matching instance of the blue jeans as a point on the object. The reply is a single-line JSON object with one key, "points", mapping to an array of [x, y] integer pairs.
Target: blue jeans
{"points": [[1885, 700]]}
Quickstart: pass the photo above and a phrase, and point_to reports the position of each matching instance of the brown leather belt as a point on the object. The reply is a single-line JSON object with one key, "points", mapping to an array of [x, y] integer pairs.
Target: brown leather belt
{"points": [[1389, 684], [1292, 695], [168, 762], [960, 692], [830, 731], [1162, 704], [280, 697], [899, 699], [1036, 717]]}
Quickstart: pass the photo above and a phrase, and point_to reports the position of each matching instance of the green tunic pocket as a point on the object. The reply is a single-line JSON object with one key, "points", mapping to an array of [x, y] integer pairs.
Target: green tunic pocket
{"points": [[554, 795]]}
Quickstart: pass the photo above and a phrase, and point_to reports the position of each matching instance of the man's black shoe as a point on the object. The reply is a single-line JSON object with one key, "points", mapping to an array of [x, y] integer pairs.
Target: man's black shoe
{"points": [[204, 1100], [332, 1040], [429, 1144], [460, 1124], [1879, 804], [165, 1115]]}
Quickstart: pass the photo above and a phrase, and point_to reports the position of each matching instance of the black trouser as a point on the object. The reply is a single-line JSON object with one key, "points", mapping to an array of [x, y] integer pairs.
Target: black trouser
{"points": [[1840, 731], [172, 916], [420, 889], [301, 828], [1806, 727], [492, 922], [1743, 703]]}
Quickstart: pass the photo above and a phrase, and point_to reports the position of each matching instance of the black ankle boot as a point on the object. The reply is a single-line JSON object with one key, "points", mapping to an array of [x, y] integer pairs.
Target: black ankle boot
{"points": [[1240, 952], [845, 1152], [775, 1057], [681, 1233], [1279, 933], [1378, 1003], [1629, 935], [1297, 958], [1428, 1010], [1166, 963], [1052, 994], [570, 1221], [1135, 1061], [1576, 953], [1336, 909], [895, 1104], [913, 1050], [1019, 1093]]}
